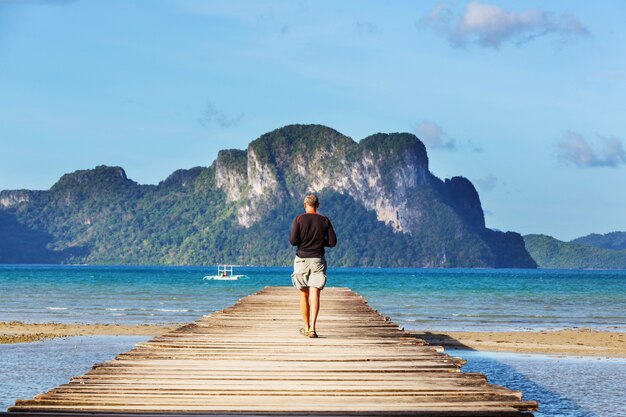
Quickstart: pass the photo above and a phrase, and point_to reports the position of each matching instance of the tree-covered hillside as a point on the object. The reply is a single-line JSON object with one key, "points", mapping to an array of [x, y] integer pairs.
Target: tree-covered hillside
{"points": [[387, 209], [549, 252], [613, 240]]}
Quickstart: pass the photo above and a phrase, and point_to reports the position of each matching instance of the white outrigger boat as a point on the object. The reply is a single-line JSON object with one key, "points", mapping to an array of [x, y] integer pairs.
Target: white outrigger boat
{"points": [[224, 273]]}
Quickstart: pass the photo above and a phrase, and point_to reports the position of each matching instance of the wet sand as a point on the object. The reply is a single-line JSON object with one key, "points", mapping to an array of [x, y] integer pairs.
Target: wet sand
{"points": [[583, 342], [18, 332], [571, 342]]}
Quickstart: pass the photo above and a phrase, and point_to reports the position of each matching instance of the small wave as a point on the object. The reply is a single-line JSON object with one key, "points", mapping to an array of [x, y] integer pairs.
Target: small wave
{"points": [[167, 310], [56, 308], [115, 309]]}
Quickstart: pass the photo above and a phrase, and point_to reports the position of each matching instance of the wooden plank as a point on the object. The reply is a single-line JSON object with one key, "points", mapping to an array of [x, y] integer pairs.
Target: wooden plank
{"points": [[249, 359]]}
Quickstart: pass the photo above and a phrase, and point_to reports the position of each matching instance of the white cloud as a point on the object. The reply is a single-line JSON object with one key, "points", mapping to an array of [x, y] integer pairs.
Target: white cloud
{"points": [[434, 137], [575, 149], [487, 183], [490, 26], [438, 19], [212, 114]]}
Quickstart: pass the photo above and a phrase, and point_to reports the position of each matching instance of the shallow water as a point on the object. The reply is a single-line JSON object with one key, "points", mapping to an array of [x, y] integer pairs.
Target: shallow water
{"points": [[28, 369], [564, 387], [420, 299]]}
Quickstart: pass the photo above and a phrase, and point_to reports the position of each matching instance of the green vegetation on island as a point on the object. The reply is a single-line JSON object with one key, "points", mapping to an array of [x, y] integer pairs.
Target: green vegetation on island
{"points": [[549, 252], [613, 240], [387, 208]]}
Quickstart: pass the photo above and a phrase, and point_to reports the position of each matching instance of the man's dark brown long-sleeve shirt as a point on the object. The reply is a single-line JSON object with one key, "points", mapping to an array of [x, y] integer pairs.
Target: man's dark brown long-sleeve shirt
{"points": [[311, 232]]}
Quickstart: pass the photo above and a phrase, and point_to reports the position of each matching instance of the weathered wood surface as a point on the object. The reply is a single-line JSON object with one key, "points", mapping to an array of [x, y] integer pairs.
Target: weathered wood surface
{"points": [[249, 359]]}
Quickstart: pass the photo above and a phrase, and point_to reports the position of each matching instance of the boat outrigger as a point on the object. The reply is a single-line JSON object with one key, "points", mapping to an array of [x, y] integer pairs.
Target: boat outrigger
{"points": [[224, 273]]}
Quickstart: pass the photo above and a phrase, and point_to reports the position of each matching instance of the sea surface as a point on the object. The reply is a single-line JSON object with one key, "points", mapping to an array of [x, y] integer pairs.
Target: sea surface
{"points": [[417, 299]]}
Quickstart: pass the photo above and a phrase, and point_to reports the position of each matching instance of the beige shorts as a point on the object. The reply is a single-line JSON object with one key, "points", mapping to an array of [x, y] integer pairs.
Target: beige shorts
{"points": [[309, 272]]}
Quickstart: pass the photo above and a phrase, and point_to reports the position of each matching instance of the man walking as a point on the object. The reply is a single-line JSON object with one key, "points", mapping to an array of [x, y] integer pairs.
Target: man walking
{"points": [[310, 232]]}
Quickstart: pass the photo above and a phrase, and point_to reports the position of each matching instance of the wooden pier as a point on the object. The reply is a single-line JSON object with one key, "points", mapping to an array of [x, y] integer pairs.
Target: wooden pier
{"points": [[249, 359]]}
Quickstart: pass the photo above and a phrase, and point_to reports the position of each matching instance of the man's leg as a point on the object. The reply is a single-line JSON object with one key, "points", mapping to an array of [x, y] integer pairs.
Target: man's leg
{"points": [[315, 305], [304, 306]]}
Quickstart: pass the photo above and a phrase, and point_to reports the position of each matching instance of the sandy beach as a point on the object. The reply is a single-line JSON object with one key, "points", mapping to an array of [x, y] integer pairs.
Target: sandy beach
{"points": [[19, 332], [583, 342]]}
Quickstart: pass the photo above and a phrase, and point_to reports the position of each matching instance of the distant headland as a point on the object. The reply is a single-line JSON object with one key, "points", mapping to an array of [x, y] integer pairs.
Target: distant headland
{"points": [[387, 207], [594, 251]]}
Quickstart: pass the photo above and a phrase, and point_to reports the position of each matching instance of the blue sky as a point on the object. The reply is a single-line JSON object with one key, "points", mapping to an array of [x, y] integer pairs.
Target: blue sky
{"points": [[526, 99]]}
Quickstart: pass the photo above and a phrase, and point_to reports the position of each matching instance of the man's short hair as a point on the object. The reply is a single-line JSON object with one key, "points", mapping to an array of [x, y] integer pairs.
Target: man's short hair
{"points": [[311, 200]]}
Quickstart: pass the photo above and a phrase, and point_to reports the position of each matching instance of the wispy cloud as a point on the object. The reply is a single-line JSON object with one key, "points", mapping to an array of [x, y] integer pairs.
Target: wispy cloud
{"points": [[487, 183], [490, 26], [213, 115], [368, 28], [271, 16], [44, 2], [438, 19], [434, 136], [575, 149], [475, 147]]}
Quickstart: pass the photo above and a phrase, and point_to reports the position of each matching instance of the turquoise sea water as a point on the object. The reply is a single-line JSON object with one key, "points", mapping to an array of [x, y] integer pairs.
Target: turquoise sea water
{"points": [[420, 299], [457, 299]]}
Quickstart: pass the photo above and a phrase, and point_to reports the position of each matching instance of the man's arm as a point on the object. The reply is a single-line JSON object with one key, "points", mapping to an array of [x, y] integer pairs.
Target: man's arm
{"points": [[294, 237], [331, 238]]}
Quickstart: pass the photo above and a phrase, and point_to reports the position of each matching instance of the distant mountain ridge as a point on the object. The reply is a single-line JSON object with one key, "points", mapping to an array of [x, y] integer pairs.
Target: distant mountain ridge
{"points": [[387, 208], [549, 252], [613, 240]]}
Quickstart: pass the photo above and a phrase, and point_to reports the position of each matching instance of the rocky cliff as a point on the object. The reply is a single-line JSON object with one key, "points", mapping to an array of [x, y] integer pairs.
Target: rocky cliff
{"points": [[387, 207], [12, 198], [381, 172]]}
